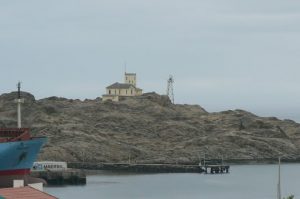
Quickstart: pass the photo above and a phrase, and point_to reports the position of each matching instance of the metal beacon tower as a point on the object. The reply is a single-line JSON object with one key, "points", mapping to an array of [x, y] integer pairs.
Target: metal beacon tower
{"points": [[170, 88]]}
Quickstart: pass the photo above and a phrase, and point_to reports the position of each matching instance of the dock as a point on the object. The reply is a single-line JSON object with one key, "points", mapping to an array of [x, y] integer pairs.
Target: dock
{"points": [[216, 169], [75, 173], [153, 168], [214, 166], [66, 177], [138, 168]]}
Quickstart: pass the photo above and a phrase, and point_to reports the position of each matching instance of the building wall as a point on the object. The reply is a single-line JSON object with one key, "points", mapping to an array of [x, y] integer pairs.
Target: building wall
{"points": [[114, 98], [121, 92], [130, 79], [139, 92]]}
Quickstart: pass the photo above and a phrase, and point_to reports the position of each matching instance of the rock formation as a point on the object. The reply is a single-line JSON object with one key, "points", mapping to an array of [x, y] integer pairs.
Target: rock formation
{"points": [[148, 129]]}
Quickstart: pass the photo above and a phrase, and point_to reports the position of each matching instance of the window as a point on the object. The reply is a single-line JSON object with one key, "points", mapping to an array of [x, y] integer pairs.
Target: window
{"points": [[131, 91], [126, 92], [109, 92]]}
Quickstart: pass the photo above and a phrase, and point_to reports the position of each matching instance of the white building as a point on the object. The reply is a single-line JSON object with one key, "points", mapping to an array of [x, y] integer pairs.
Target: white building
{"points": [[127, 89]]}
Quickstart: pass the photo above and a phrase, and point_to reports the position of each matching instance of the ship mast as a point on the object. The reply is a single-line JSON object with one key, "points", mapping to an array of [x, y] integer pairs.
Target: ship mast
{"points": [[19, 102]]}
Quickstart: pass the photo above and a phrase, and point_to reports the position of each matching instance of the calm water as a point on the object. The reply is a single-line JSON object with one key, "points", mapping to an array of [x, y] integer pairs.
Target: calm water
{"points": [[244, 182]]}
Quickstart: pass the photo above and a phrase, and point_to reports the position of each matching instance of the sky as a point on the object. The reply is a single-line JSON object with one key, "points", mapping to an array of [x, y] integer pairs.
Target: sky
{"points": [[223, 54]]}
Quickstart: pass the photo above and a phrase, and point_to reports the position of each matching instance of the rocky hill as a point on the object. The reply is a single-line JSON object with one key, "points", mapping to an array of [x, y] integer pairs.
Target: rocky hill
{"points": [[148, 129]]}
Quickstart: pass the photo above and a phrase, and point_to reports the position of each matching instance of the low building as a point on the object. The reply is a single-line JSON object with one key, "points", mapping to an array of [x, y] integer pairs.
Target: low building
{"points": [[127, 89], [24, 193]]}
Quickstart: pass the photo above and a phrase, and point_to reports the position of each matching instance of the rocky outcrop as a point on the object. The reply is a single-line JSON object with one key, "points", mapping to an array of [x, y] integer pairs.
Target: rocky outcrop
{"points": [[149, 129]]}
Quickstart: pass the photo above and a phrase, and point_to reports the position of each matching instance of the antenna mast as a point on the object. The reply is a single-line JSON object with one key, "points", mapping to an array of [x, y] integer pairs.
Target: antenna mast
{"points": [[125, 67], [170, 88]]}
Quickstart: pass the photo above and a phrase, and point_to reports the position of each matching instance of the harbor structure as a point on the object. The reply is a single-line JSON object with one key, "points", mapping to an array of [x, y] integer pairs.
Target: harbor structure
{"points": [[61, 177], [214, 166], [209, 167], [126, 89], [57, 173]]}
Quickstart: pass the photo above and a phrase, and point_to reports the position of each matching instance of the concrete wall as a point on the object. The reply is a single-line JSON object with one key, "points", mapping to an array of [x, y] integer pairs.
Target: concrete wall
{"points": [[139, 92], [114, 98]]}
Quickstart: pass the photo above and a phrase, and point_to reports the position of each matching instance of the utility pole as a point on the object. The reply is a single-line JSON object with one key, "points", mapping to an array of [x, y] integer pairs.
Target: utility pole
{"points": [[279, 183]]}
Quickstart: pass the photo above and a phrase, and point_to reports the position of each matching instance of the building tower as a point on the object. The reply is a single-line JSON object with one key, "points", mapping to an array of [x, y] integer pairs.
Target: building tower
{"points": [[170, 89], [130, 78]]}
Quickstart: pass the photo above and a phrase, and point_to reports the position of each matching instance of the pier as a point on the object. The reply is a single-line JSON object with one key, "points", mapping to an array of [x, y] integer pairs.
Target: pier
{"points": [[65, 177], [153, 168], [138, 168], [214, 166], [216, 169], [75, 174]]}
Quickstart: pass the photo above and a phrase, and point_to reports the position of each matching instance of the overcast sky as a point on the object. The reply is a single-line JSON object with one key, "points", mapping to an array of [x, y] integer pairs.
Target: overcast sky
{"points": [[223, 54]]}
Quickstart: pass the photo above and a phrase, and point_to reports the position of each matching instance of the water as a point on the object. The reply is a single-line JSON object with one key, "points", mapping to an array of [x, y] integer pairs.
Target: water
{"points": [[244, 182]]}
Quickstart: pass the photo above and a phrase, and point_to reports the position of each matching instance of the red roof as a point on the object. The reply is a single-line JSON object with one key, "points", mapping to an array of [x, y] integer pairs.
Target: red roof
{"points": [[24, 193]]}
